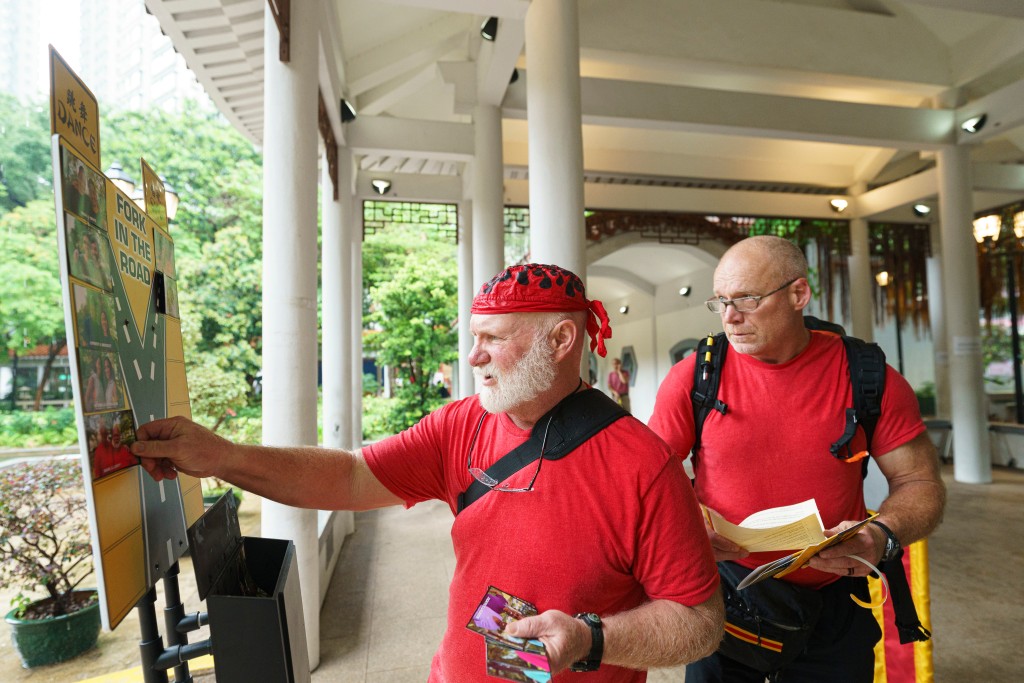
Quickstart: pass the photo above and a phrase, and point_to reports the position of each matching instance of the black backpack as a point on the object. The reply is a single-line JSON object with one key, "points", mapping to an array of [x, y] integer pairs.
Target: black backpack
{"points": [[866, 362], [867, 375]]}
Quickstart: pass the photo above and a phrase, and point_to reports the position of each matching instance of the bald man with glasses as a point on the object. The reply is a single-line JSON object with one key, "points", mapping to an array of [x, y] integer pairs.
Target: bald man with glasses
{"points": [[787, 389], [605, 538]]}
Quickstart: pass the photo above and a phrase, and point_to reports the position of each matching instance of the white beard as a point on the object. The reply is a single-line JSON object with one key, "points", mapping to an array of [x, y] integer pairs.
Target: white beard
{"points": [[533, 374]]}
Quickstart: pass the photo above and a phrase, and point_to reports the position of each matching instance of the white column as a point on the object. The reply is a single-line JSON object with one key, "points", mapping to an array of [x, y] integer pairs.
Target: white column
{"points": [[356, 216], [972, 456], [467, 290], [290, 282], [336, 354], [488, 205], [555, 134], [862, 319], [937, 320]]}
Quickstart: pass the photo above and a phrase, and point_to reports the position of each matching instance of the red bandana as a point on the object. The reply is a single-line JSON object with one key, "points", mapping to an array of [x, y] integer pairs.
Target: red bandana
{"points": [[539, 288]]}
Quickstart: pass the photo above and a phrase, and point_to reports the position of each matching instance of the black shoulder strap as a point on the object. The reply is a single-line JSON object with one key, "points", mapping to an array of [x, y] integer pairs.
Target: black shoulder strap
{"points": [[866, 363], [707, 373], [908, 624], [574, 420]]}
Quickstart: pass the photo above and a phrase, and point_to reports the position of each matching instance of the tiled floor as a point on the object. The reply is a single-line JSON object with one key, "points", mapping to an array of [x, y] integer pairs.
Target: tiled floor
{"points": [[399, 562]]}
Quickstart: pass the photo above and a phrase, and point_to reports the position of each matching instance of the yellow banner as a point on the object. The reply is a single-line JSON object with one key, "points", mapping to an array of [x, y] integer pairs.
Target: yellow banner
{"points": [[153, 191], [74, 112]]}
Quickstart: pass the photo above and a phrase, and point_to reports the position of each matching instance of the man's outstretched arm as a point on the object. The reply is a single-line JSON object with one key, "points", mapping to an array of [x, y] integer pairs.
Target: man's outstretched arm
{"points": [[308, 477]]}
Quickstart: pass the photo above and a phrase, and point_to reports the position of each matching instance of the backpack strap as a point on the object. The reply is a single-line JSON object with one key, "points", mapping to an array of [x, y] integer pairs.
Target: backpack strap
{"points": [[908, 624], [707, 374], [866, 363], [574, 420]]}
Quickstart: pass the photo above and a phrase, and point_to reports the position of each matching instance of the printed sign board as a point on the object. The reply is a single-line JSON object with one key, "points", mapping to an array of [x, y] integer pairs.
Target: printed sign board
{"points": [[126, 353]]}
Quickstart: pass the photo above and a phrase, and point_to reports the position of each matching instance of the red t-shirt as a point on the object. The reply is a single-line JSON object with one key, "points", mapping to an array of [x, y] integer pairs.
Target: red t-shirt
{"points": [[771, 448], [611, 525]]}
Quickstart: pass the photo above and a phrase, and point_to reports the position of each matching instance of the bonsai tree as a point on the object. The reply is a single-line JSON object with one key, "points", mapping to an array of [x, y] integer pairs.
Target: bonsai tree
{"points": [[44, 535]]}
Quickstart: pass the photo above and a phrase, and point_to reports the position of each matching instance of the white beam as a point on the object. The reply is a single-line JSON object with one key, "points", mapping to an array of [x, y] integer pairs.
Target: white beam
{"points": [[381, 99], [411, 188], [666, 107], [1013, 9], [383, 135], [515, 9], [899, 193], [1002, 109], [497, 60], [408, 52]]}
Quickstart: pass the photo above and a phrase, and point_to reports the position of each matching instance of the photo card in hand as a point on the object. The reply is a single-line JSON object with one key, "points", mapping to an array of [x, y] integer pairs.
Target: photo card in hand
{"points": [[515, 659]]}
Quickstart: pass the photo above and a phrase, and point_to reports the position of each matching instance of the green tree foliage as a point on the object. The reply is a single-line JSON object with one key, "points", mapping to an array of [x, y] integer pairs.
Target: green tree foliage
{"points": [[24, 153], [31, 312], [414, 313], [215, 171], [217, 235]]}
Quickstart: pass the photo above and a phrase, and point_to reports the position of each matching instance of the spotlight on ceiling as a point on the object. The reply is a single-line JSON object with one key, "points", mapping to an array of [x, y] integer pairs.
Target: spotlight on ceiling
{"points": [[380, 185], [623, 310], [489, 30], [838, 205], [515, 76], [974, 124], [348, 112], [921, 210], [685, 291]]}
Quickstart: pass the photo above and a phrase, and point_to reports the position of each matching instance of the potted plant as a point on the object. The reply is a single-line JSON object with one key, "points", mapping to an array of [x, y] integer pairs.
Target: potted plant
{"points": [[44, 544]]}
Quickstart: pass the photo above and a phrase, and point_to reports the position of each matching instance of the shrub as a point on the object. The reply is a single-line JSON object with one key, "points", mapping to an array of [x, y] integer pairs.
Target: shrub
{"points": [[44, 531], [30, 429]]}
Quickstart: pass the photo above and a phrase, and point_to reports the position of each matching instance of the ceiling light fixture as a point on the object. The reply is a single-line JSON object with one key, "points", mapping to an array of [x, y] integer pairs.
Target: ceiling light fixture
{"points": [[515, 76], [974, 124], [348, 112], [685, 291], [838, 205], [623, 310], [921, 210], [380, 185], [489, 30]]}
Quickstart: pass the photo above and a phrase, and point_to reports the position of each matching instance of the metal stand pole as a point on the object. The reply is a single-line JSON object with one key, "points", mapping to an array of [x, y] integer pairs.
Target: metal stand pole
{"points": [[174, 612], [156, 659], [151, 646]]}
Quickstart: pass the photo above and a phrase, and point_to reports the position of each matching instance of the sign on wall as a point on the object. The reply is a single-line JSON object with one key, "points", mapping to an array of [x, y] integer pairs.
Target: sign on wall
{"points": [[125, 350]]}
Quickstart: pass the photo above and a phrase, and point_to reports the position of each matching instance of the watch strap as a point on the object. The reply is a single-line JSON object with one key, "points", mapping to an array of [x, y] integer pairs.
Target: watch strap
{"points": [[892, 544], [593, 659]]}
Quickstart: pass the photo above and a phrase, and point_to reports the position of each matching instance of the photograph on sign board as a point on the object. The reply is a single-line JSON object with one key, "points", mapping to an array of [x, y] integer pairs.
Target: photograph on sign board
{"points": [[109, 436], [88, 251], [95, 323], [101, 381], [164, 253], [171, 293], [85, 190]]}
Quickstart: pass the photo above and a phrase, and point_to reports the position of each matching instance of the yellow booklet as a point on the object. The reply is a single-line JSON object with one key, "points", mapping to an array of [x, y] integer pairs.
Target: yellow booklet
{"points": [[782, 528]]}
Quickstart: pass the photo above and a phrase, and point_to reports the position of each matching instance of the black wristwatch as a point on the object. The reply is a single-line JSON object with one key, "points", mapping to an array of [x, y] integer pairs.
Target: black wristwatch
{"points": [[892, 544], [593, 660]]}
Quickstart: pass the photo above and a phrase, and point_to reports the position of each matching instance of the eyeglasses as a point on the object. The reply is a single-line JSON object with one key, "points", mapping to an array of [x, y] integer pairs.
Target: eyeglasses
{"points": [[743, 304], [492, 483]]}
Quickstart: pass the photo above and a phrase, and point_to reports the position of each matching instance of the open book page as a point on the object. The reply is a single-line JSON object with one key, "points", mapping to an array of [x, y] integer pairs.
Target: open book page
{"points": [[790, 563], [783, 528]]}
